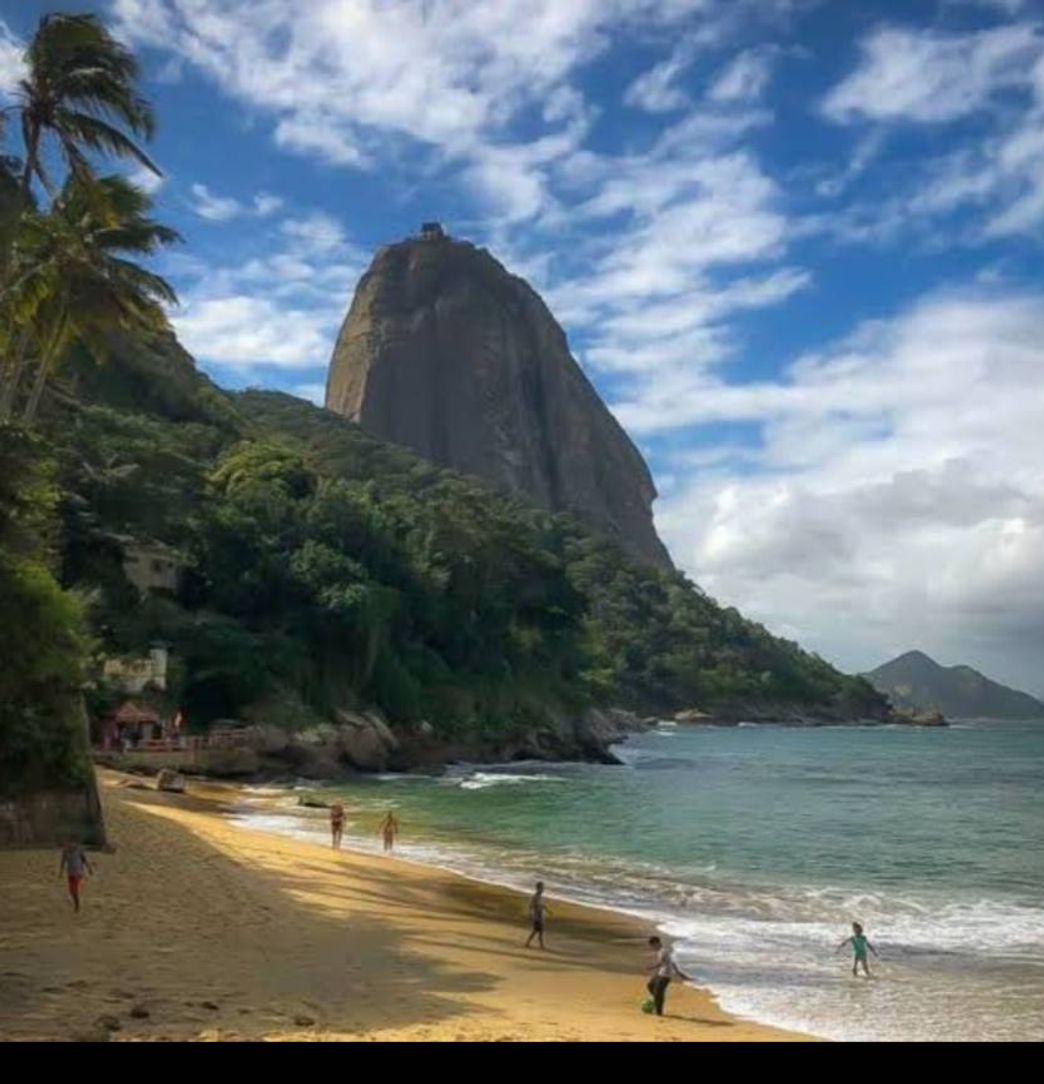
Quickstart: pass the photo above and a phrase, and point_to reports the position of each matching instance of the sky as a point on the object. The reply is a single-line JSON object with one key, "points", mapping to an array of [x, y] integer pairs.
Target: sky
{"points": [[796, 244]]}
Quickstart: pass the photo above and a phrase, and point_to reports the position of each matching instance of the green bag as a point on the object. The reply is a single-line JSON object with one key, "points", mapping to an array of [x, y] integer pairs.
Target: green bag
{"points": [[648, 1006]]}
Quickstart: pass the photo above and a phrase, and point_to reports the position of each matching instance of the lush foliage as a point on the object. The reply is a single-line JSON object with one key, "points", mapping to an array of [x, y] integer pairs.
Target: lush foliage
{"points": [[42, 643], [67, 253], [324, 569], [329, 569]]}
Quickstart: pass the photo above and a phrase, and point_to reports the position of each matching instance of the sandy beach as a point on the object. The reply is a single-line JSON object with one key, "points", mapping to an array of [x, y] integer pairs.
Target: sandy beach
{"points": [[195, 929]]}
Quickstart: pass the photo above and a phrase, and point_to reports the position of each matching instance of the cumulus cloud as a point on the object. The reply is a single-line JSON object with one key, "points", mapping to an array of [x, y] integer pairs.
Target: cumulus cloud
{"points": [[277, 310], [896, 499], [12, 61]]}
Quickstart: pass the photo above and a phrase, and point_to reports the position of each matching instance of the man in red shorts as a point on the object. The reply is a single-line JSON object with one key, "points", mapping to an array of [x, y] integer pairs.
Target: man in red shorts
{"points": [[73, 864]]}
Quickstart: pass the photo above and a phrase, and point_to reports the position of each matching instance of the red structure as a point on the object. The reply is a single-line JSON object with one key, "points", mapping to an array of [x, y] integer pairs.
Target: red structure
{"points": [[129, 725]]}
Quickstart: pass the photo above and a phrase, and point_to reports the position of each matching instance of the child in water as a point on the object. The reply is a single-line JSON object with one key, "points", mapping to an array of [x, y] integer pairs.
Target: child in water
{"points": [[860, 944]]}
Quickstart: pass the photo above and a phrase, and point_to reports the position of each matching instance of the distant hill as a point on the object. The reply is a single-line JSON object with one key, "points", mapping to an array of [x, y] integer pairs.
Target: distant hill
{"points": [[916, 681]]}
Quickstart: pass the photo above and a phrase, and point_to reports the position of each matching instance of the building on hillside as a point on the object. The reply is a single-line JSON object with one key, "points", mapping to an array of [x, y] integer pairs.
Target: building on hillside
{"points": [[133, 676], [152, 566], [432, 231]]}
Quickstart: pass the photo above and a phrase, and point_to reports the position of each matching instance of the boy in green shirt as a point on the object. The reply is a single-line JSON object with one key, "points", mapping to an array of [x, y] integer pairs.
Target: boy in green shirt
{"points": [[860, 944]]}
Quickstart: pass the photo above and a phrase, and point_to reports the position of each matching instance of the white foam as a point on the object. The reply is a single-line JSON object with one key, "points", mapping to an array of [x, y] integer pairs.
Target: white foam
{"points": [[482, 780]]}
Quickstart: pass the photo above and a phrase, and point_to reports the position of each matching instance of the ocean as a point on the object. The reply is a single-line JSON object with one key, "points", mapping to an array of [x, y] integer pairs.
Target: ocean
{"points": [[755, 847]]}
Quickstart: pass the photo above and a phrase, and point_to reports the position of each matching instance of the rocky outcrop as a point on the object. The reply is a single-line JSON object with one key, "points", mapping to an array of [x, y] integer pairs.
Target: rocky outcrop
{"points": [[49, 818], [445, 352]]}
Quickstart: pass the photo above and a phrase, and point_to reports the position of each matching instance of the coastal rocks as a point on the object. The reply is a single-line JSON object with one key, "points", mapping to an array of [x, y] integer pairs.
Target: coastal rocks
{"points": [[920, 718], [445, 352], [170, 780], [584, 736], [597, 729], [266, 738], [365, 740], [693, 715]]}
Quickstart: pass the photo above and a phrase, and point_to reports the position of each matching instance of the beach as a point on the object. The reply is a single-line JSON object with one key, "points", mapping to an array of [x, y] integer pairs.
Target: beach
{"points": [[199, 929]]}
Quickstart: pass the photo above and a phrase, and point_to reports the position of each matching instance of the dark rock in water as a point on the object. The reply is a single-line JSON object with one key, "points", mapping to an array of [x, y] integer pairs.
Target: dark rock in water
{"points": [[139, 1012], [445, 352]]}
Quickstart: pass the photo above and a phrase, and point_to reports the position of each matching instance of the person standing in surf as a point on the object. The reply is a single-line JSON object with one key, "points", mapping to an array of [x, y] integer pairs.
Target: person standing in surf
{"points": [[663, 971], [336, 824], [538, 911], [860, 944], [73, 864], [388, 830]]}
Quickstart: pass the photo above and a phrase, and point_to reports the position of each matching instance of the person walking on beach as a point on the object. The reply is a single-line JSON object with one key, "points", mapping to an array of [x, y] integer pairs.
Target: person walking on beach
{"points": [[388, 830], [336, 824], [860, 944], [538, 911], [662, 972], [72, 864]]}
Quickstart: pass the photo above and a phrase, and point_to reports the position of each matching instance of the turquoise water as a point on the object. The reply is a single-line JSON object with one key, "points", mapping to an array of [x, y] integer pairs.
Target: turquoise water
{"points": [[755, 848]]}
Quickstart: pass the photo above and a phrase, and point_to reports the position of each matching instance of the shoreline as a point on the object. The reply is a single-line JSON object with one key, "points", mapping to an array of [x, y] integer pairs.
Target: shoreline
{"points": [[199, 928]]}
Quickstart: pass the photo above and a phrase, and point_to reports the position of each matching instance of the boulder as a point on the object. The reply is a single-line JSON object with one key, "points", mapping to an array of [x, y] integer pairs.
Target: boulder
{"points": [[267, 739], [168, 779], [365, 740]]}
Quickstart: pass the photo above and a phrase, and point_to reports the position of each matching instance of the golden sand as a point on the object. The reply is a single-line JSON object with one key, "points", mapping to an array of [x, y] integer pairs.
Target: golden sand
{"points": [[220, 933]]}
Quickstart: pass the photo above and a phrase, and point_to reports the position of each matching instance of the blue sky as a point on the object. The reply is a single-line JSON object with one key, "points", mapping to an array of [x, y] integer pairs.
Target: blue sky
{"points": [[796, 244]]}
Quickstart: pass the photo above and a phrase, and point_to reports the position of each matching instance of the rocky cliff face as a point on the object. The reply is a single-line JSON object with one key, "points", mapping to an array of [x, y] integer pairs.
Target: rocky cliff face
{"points": [[445, 352]]}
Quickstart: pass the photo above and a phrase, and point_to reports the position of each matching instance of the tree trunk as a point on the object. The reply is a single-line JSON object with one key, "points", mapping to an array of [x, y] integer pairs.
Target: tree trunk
{"points": [[13, 376], [47, 360]]}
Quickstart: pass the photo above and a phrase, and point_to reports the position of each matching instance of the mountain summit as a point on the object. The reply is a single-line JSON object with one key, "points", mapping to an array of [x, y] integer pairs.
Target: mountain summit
{"points": [[916, 681], [446, 352]]}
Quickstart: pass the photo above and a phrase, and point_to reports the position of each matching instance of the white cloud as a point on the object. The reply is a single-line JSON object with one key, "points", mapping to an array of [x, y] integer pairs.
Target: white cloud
{"points": [[216, 208], [744, 79], [656, 90], [922, 77], [895, 499], [347, 83], [212, 207], [146, 180], [12, 61], [927, 77], [277, 309], [244, 332], [266, 204]]}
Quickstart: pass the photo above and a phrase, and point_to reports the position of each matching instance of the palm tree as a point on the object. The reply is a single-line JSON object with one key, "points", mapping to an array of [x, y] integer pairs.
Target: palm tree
{"points": [[72, 280], [79, 89]]}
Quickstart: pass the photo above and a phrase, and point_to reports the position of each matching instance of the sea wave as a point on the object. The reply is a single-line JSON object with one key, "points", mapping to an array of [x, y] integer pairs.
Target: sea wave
{"points": [[484, 780]]}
